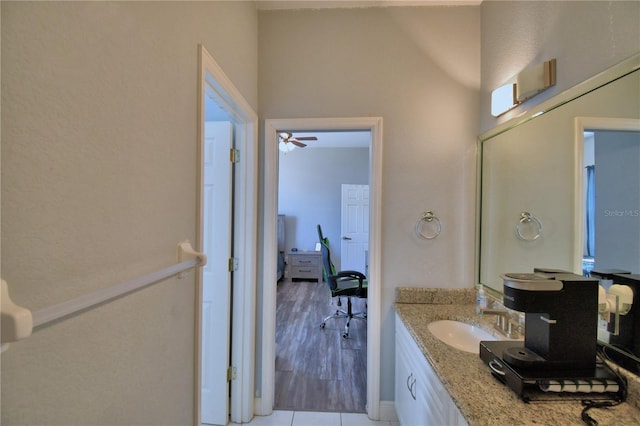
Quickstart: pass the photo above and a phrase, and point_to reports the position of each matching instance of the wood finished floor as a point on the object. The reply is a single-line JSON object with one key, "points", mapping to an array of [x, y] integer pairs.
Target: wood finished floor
{"points": [[317, 369]]}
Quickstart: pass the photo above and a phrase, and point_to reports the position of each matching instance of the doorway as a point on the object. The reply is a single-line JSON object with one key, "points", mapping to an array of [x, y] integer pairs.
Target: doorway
{"points": [[219, 101], [374, 125], [316, 368]]}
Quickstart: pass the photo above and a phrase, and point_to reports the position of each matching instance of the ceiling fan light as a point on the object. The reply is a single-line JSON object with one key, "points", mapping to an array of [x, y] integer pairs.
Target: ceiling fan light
{"points": [[286, 147]]}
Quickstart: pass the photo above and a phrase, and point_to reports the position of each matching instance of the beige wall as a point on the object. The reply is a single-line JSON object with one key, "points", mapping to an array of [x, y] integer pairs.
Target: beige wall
{"points": [[99, 121], [98, 157], [418, 68], [586, 37]]}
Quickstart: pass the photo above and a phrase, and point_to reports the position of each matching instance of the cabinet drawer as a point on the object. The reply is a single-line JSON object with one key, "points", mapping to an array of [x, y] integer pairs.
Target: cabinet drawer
{"points": [[303, 272], [305, 261]]}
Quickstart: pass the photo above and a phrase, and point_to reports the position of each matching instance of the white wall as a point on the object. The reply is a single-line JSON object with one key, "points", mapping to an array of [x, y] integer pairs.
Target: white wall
{"points": [[99, 126], [309, 193], [586, 38], [418, 68]]}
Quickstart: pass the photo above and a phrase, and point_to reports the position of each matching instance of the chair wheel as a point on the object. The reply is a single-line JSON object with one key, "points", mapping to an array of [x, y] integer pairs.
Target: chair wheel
{"points": [[345, 335], [322, 325]]}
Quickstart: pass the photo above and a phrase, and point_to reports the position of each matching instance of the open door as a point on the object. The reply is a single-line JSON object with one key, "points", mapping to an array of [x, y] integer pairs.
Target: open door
{"points": [[222, 342], [216, 278]]}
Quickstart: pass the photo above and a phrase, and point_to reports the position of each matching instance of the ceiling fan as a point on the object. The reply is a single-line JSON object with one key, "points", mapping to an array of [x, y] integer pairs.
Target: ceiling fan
{"points": [[287, 137]]}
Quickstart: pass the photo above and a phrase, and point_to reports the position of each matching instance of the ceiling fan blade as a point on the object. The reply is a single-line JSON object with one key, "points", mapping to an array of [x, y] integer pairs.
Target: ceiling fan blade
{"points": [[296, 143], [306, 138]]}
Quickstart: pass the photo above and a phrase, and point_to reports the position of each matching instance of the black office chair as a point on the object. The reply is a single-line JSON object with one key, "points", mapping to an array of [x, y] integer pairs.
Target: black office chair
{"points": [[343, 283]]}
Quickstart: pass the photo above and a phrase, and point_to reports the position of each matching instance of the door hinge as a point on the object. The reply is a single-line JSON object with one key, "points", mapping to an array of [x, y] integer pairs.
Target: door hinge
{"points": [[233, 264], [231, 373], [234, 155]]}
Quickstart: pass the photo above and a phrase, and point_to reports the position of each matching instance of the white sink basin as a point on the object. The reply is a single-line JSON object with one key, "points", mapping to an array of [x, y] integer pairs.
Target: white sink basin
{"points": [[460, 335]]}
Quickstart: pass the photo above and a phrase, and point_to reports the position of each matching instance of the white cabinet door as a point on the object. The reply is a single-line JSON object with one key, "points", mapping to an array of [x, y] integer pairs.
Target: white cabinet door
{"points": [[421, 398], [411, 403], [405, 398]]}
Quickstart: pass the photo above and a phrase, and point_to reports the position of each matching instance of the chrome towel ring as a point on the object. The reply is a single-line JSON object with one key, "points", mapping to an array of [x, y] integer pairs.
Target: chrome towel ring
{"points": [[529, 227], [428, 226]]}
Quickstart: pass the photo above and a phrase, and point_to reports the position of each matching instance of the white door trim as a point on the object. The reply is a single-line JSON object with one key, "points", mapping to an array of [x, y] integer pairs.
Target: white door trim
{"points": [[264, 404], [245, 119]]}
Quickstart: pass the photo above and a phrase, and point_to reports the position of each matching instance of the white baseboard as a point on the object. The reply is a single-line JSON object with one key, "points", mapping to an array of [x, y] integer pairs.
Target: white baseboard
{"points": [[259, 410], [388, 411]]}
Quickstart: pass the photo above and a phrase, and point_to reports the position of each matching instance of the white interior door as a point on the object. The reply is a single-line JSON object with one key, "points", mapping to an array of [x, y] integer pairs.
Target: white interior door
{"points": [[216, 278], [355, 227]]}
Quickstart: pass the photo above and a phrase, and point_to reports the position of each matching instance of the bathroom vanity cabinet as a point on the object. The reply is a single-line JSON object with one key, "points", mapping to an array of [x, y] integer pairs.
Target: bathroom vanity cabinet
{"points": [[421, 398], [455, 387]]}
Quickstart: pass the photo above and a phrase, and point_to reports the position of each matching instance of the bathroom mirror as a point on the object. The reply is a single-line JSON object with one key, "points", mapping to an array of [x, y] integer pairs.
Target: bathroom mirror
{"points": [[532, 182]]}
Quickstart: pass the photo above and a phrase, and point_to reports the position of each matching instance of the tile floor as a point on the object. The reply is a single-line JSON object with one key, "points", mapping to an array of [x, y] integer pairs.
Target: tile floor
{"points": [[313, 418]]}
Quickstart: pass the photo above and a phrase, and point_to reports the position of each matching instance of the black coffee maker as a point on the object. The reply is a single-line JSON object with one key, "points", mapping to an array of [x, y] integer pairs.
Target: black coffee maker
{"points": [[561, 314], [558, 356]]}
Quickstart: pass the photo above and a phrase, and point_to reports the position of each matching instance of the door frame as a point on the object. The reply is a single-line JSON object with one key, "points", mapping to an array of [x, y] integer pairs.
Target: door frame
{"points": [[245, 120], [264, 404]]}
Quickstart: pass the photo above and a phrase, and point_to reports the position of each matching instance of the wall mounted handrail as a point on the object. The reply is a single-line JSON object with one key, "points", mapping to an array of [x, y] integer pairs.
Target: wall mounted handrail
{"points": [[187, 258], [54, 312]]}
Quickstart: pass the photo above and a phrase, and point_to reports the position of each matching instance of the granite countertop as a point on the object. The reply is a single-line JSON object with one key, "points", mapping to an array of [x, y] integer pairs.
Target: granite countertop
{"points": [[481, 398]]}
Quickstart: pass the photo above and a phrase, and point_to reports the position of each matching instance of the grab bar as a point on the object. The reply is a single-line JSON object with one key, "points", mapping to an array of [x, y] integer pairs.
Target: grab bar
{"points": [[18, 324]]}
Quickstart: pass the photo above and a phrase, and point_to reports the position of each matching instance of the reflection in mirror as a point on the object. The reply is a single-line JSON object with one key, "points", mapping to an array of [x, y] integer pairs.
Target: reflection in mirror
{"points": [[611, 226], [535, 165], [611, 188]]}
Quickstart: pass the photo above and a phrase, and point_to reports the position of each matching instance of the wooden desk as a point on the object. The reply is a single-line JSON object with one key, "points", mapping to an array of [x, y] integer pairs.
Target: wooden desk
{"points": [[305, 265]]}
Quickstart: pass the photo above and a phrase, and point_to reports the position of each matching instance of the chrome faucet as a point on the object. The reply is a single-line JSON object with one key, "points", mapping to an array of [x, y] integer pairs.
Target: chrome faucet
{"points": [[506, 322]]}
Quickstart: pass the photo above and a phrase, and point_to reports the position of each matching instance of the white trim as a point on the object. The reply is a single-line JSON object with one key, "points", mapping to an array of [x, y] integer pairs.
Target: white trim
{"points": [[374, 125], [582, 124], [245, 119], [388, 412]]}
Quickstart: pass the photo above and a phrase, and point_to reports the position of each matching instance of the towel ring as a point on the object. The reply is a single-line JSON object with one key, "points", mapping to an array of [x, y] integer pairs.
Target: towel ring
{"points": [[527, 220], [428, 220]]}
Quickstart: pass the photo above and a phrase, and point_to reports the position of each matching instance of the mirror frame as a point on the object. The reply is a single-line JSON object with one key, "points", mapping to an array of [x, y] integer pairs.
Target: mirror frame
{"points": [[614, 73]]}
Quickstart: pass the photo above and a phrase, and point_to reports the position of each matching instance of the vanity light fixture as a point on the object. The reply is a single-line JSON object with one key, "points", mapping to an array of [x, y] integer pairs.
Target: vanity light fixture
{"points": [[528, 83], [535, 79], [503, 99]]}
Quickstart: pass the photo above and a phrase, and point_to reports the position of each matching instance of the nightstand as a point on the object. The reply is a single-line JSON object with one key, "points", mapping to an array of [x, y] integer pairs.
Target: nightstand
{"points": [[305, 265]]}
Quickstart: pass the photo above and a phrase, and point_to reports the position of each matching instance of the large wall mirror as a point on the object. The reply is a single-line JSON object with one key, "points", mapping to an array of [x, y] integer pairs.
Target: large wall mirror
{"points": [[538, 175]]}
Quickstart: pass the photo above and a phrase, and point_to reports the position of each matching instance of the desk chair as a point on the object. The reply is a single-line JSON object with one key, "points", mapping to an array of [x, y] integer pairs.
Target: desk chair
{"points": [[343, 283]]}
